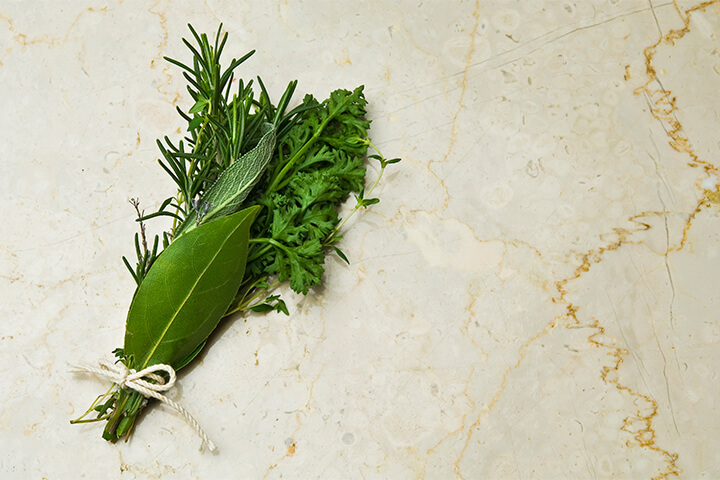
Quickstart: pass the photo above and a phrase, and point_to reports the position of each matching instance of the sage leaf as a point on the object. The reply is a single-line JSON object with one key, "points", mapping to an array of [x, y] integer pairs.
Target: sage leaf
{"points": [[187, 291], [234, 185]]}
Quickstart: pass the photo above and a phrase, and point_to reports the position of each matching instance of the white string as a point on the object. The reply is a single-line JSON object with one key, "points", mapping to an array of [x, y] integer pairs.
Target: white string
{"points": [[130, 379]]}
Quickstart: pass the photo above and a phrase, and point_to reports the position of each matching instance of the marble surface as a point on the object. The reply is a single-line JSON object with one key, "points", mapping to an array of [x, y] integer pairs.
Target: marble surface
{"points": [[534, 297]]}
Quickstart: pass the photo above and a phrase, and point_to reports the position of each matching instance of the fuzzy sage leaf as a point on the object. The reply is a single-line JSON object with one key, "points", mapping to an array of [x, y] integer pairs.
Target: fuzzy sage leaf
{"points": [[233, 186]]}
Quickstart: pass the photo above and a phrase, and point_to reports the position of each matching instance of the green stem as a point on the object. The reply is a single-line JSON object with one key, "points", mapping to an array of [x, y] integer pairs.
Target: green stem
{"points": [[276, 184], [180, 197], [110, 432], [383, 165], [246, 303], [90, 420], [260, 252], [122, 420], [98, 400], [270, 242]]}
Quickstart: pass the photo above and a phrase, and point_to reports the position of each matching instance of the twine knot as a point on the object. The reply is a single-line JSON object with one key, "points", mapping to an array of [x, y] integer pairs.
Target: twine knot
{"points": [[128, 378]]}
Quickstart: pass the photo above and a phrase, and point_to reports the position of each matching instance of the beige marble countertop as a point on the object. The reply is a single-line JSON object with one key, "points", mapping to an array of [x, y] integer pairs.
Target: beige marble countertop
{"points": [[536, 295]]}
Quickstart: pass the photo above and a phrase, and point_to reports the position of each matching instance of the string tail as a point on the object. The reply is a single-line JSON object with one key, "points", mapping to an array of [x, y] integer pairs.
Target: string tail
{"points": [[140, 381]]}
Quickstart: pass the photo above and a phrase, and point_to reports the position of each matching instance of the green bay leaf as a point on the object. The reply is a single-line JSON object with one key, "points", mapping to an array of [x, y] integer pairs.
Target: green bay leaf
{"points": [[187, 291]]}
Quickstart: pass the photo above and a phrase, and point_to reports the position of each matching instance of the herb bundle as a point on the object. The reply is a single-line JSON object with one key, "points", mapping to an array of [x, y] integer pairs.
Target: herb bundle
{"points": [[259, 185]]}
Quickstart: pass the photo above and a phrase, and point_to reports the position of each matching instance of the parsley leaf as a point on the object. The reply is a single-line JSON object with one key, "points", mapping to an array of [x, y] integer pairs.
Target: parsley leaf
{"points": [[324, 165]]}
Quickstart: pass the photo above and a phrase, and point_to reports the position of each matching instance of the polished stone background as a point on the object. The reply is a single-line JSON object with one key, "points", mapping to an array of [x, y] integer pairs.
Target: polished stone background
{"points": [[534, 297]]}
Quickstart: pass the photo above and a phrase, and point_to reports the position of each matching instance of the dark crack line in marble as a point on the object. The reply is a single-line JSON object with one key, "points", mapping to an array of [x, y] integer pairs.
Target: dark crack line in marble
{"points": [[558, 37], [672, 287], [652, 9]]}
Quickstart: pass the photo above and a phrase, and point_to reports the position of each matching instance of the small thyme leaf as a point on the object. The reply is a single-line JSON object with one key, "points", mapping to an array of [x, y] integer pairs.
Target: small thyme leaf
{"points": [[199, 105], [341, 254]]}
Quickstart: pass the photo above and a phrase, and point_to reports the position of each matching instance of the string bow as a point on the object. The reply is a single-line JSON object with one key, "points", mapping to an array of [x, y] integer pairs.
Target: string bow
{"points": [[130, 379]]}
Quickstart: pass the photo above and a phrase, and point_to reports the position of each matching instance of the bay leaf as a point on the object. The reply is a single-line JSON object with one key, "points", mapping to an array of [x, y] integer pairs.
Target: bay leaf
{"points": [[186, 292]]}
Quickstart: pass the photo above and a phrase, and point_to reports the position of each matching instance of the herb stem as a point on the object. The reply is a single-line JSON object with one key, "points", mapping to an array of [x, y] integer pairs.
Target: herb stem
{"points": [[359, 204], [260, 252], [100, 398], [270, 242], [246, 303], [382, 166], [91, 420], [276, 184], [190, 172]]}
